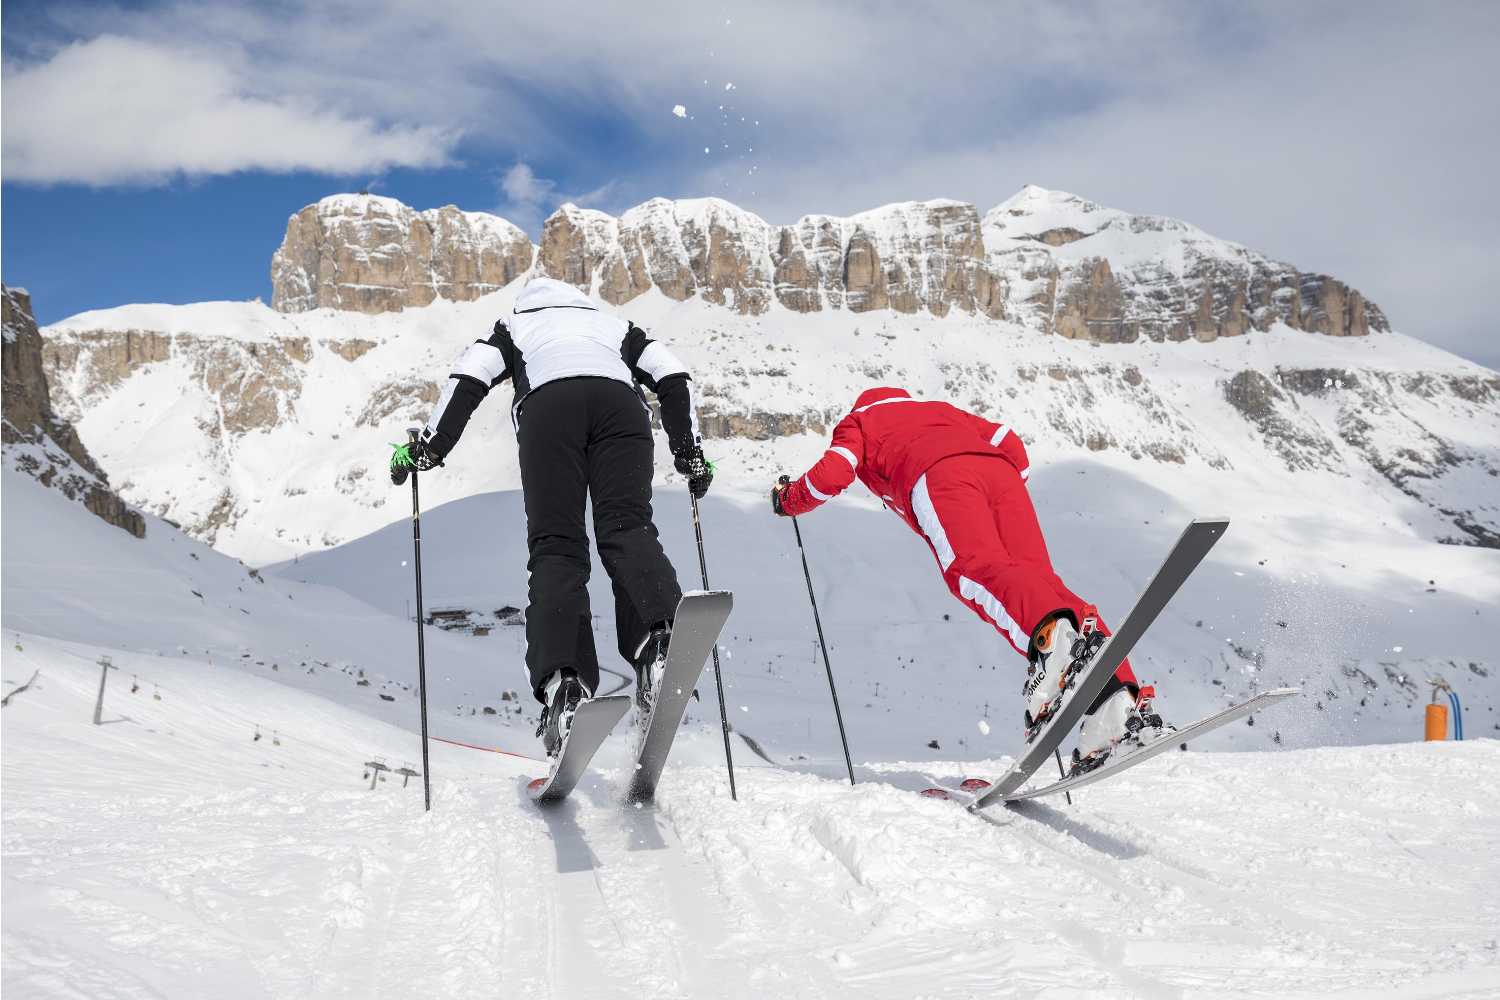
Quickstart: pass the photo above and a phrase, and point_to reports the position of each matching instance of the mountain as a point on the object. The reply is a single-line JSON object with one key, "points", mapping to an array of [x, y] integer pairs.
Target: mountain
{"points": [[1094, 333], [36, 440], [371, 254]]}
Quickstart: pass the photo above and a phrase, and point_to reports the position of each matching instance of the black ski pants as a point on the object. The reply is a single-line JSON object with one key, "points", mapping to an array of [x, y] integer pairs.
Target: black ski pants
{"points": [[588, 438]]}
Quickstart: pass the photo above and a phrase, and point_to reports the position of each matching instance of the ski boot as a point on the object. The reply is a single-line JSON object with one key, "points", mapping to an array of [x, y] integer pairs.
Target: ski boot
{"points": [[560, 700], [1122, 720], [650, 660], [1058, 654]]}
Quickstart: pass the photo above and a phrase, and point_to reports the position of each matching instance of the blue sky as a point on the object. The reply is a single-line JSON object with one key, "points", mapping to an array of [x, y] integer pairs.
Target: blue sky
{"points": [[153, 151]]}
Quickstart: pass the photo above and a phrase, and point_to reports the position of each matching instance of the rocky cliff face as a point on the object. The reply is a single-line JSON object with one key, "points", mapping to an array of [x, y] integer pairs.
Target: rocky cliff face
{"points": [[908, 258], [370, 254], [1050, 260], [37, 441], [1092, 273]]}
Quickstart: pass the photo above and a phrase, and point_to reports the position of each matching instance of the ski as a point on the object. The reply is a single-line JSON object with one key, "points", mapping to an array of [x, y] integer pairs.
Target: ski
{"points": [[1123, 761], [592, 722], [1195, 542], [695, 630], [965, 792]]}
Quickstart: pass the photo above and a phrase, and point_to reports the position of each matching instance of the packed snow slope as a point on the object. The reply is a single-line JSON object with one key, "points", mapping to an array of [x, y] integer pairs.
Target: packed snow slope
{"points": [[70, 575], [168, 854]]}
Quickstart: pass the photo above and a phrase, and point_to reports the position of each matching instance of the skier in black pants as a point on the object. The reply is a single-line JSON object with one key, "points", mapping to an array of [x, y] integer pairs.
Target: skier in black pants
{"points": [[584, 432]]}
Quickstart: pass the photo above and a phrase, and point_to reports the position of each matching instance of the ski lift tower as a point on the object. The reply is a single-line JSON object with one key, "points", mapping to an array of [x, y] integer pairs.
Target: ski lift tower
{"points": [[373, 769]]}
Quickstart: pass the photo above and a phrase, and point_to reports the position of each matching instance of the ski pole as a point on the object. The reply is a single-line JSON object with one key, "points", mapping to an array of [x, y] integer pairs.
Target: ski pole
{"points": [[818, 621], [1061, 773], [718, 677], [416, 544]]}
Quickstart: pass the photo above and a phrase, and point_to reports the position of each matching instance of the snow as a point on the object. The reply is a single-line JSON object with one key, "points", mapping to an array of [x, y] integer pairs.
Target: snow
{"points": [[167, 853], [170, 853]]}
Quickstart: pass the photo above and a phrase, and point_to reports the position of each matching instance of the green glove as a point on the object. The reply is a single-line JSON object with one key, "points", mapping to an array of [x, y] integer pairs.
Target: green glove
{"points": [[409, 458]]}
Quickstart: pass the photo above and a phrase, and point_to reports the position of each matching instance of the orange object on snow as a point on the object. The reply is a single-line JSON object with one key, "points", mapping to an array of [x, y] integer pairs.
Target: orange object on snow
{"points": [[1437, 722]]}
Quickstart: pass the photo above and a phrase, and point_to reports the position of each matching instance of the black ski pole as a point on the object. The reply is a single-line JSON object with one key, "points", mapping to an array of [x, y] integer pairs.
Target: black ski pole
{"points": [[1058, 754], [718, 677], [416, 544], [818, 621]]}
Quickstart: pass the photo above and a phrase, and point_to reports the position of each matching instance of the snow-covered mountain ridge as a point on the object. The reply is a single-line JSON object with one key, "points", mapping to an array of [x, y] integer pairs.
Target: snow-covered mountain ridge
{"points": [[1050, 259], [265, 432]]}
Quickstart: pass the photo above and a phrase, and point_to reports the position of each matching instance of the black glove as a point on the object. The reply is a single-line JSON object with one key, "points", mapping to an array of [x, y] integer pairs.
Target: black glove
{"points": [[408, 457], [776, 491], [699, 471]]}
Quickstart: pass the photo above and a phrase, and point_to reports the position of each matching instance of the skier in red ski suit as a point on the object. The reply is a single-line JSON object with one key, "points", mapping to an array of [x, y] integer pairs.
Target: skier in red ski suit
{"points": [[959, 481]]}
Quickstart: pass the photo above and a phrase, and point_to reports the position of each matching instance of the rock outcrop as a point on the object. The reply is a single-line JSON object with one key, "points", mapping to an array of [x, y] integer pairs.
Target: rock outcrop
{"points": [[371, 254], [1088, 272], [37, 441], [910, 257], [255, 385], [1047, 259]]}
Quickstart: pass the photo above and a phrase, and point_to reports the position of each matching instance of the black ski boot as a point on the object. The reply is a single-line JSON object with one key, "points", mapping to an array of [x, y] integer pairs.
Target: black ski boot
{"points": [[561, 698], [650, 657]]}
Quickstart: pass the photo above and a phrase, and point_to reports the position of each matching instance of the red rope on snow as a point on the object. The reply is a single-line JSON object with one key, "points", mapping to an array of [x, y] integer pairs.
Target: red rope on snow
{"points": [[474, 746]]}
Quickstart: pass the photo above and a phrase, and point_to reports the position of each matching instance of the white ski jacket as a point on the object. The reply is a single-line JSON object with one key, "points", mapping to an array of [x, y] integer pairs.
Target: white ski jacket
{"points": [[557, 332]]}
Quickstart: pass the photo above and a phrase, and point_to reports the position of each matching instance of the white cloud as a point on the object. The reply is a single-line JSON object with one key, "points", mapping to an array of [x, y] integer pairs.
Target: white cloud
{"points": [[122, 110], [1354, 137], [528, 199]]}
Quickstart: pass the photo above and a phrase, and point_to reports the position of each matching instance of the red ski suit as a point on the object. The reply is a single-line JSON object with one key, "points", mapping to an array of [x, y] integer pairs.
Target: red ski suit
{"points": [[959, 481]]}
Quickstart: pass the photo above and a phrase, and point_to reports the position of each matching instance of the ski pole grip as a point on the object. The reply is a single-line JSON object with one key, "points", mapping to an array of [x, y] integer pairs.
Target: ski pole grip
{"points": [[412, 433]]}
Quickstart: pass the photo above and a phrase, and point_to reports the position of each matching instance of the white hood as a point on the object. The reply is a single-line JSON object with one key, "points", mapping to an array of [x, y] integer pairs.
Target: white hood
{"points": [[549, 293]]}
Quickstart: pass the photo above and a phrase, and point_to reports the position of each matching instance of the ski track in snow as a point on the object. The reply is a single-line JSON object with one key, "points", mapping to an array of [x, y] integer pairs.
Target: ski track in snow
{"points": [[166, 854]]}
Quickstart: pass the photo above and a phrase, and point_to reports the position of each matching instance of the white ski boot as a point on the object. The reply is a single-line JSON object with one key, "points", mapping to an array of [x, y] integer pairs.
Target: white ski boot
{"points": [[1059, 651], [1122, 721]]}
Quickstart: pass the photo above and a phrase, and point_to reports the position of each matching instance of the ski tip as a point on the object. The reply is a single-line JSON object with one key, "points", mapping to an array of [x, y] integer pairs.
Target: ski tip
{"points": [[973, 785], [937, 793], [535, 785], [1218, 523]]}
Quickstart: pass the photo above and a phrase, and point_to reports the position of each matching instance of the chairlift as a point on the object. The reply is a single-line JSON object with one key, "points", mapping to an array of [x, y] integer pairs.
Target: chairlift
{"points": [[135, 684], [256, 737], [275, 739], [155, 693]]}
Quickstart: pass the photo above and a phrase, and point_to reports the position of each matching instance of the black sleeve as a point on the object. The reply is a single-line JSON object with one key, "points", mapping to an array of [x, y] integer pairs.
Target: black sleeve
{"points": [[464, 394], [483, 365], [631, 350], [676, 398], [658, 369]]}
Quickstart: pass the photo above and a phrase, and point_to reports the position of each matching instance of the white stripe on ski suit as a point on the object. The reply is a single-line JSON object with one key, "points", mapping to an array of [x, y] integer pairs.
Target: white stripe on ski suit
{"points": [[847, 454], [888, 399], [998, 437], [926, 515], [820, 497], [932, 527]]}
